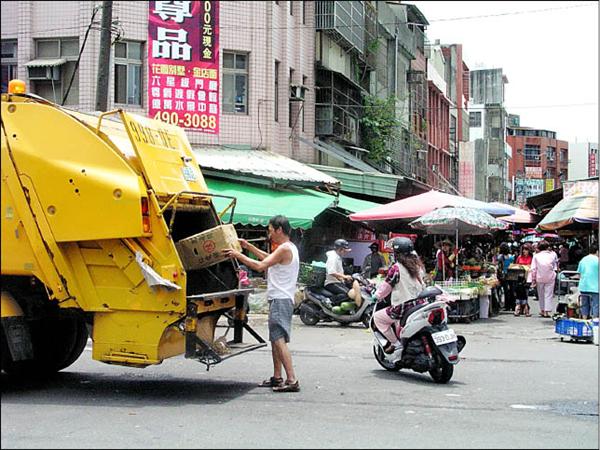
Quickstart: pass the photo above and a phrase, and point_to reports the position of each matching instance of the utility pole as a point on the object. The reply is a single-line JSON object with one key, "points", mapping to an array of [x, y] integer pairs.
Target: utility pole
{"points": [[104, 57]]}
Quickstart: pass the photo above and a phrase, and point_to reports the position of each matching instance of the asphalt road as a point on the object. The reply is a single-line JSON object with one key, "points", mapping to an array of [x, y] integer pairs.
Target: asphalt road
{"points": [[517, 386]]}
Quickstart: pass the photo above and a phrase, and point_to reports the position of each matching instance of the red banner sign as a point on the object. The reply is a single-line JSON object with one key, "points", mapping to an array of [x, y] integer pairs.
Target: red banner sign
{"points": [[592, 161], [183, 59]]}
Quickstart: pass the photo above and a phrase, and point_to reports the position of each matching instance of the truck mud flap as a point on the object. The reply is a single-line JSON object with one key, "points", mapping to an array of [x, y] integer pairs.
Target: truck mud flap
{"points": [[212, 353]]}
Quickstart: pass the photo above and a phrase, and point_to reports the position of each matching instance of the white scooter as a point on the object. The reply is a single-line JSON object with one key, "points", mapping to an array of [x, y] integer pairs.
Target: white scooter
{"points": [[428, 345]]}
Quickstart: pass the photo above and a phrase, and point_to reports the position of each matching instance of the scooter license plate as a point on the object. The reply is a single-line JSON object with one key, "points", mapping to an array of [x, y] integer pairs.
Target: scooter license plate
{"points": [[444, 337]]}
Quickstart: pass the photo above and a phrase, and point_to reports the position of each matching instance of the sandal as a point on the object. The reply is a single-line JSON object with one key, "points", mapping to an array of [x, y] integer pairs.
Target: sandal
{"points": [[287, 387], [272, 382]]}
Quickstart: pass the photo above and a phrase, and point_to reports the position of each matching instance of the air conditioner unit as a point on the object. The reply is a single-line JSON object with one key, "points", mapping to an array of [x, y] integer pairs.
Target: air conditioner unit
{"points": [[44, 73], [297, 92]]}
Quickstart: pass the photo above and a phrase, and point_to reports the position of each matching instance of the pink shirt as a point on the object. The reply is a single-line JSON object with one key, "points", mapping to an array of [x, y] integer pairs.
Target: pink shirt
{"points": [[544, 266]]}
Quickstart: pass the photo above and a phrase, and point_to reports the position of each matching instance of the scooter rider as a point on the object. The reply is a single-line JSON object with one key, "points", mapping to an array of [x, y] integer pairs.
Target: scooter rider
{"points": [[336, 281], [406, 279]]}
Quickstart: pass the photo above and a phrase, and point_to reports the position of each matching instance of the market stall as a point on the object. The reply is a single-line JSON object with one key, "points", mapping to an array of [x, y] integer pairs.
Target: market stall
{"points": [[471, 290]]}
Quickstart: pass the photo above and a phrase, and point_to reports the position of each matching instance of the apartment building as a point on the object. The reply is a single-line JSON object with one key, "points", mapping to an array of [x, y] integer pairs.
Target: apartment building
{"points": [[583, 160], [539, 162], [265, 48], [487, 132]]}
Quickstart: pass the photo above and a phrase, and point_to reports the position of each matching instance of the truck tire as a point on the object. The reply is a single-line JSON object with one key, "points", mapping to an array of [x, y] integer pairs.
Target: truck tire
{"points": [[57, 343]]}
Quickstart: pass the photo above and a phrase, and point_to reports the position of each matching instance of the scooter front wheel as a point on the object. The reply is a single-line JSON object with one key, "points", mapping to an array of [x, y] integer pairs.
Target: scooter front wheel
{"points": [[442, 373], [380, 357]]}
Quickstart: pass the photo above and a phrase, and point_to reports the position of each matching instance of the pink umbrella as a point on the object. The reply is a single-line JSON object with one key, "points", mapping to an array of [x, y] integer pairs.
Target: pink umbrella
{"points": [[419, 205]]}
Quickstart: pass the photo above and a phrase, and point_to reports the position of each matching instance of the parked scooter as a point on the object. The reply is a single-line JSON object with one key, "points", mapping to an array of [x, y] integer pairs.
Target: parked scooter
{"points": [[318, 305], [428, 345]]}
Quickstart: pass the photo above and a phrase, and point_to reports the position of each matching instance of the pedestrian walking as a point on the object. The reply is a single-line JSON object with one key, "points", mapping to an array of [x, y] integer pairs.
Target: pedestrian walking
{"points": [[505, 259], [523, 282], [543, 275], [588, 284], [282, 268]]}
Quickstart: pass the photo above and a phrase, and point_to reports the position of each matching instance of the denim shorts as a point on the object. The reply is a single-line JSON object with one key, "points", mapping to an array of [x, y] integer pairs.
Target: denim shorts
{"points": [[281, 311], [589, 304]]}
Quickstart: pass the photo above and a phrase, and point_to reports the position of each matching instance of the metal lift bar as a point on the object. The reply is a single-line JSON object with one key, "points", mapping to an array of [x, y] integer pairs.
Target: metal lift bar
{"points": [[202, 351]]}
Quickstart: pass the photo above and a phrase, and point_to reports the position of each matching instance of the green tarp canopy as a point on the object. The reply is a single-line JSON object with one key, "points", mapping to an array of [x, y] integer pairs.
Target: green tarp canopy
{"points": [[256, 205]]}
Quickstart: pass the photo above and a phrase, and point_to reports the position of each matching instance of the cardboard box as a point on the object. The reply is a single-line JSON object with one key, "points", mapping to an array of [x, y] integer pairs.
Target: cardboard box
{"points": [[204, 249]]}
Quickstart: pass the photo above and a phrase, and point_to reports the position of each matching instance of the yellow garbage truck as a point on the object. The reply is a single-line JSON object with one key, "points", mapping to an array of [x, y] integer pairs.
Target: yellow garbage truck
{"points": [[103, 219]]}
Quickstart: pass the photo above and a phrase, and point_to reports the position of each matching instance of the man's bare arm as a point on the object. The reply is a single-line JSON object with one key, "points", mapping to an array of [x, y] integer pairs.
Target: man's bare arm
{"points": [[253, 249], [281, 255]]}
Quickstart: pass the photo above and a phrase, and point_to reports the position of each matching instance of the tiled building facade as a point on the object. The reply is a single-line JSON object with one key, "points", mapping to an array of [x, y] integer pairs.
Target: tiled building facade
{"points": [[265, 35]]}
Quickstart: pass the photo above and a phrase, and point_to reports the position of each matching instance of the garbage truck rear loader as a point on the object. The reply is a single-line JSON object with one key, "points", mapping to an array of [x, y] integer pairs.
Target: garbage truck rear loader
{"points": [[102, 224]]}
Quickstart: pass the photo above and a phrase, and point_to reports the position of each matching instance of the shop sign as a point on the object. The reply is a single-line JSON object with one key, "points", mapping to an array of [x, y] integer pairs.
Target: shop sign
{"points": [[549, 185], [525, 188], [571, 188], [592, 162], [466, 179], [183, 62], [533, 172]]}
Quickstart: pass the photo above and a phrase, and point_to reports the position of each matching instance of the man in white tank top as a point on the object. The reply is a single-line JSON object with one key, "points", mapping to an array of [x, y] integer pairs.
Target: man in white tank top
{"points": [[282, 275]]}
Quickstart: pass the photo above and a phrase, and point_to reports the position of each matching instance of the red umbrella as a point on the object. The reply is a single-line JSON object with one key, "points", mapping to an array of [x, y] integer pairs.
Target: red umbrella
{"points": [[419, 205]]}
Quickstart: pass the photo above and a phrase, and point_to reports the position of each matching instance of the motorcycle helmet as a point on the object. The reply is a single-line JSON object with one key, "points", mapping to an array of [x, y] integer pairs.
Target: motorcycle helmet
{"points": [[402, 245], [341, 243]]}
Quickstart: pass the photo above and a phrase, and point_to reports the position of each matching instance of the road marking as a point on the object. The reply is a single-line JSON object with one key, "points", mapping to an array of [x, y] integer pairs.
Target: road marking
{"points": [[539, 407]]}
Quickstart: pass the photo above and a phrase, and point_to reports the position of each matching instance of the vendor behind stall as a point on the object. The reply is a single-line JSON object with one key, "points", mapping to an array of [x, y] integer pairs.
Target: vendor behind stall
{"points": [[444, 262]]}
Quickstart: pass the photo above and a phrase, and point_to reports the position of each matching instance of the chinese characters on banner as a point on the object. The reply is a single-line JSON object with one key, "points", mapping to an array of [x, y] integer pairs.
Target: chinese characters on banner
{"points": [[533, 172], [183, 62], [527, 188], [592, 162]]}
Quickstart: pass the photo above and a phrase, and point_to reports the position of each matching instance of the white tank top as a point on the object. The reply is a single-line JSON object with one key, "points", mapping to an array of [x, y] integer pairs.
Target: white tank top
{"points": [[282, 278]]}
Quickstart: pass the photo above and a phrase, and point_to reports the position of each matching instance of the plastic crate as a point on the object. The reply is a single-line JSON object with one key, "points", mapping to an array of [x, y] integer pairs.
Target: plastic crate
{"points": [[311, 275], [304, 273], [317, 277], [574, 328]]}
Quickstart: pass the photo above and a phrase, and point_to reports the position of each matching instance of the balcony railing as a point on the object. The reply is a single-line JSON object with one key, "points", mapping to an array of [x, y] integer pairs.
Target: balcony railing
{"points": [[344, 20]]}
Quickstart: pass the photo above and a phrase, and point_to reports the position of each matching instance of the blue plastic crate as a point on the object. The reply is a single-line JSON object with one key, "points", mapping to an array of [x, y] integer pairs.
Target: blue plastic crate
{"points": [[574, 328]]}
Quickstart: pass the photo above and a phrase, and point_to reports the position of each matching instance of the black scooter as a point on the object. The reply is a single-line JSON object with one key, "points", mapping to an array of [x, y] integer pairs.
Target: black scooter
{"points": [[318, 305]]}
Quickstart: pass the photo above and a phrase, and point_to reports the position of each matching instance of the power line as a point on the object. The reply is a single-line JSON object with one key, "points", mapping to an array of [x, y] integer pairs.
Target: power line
{"points": [[510, 13], [304, 27], [506, 107]]}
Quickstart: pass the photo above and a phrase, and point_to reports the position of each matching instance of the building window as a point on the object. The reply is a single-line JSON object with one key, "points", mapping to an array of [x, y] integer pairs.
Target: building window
{"points": [[128, 73], [475, 119], [563, 155], [276, 93], [550, 153], [290, 103], [235, 82], [532, 155], [9, 62], [304, 12], [304, 81], [550, 172], [52, 82]]}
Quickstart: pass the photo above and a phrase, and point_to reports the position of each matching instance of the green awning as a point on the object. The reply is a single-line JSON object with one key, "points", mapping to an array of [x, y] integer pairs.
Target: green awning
{"points": [[256, 205], [354, 205]]}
